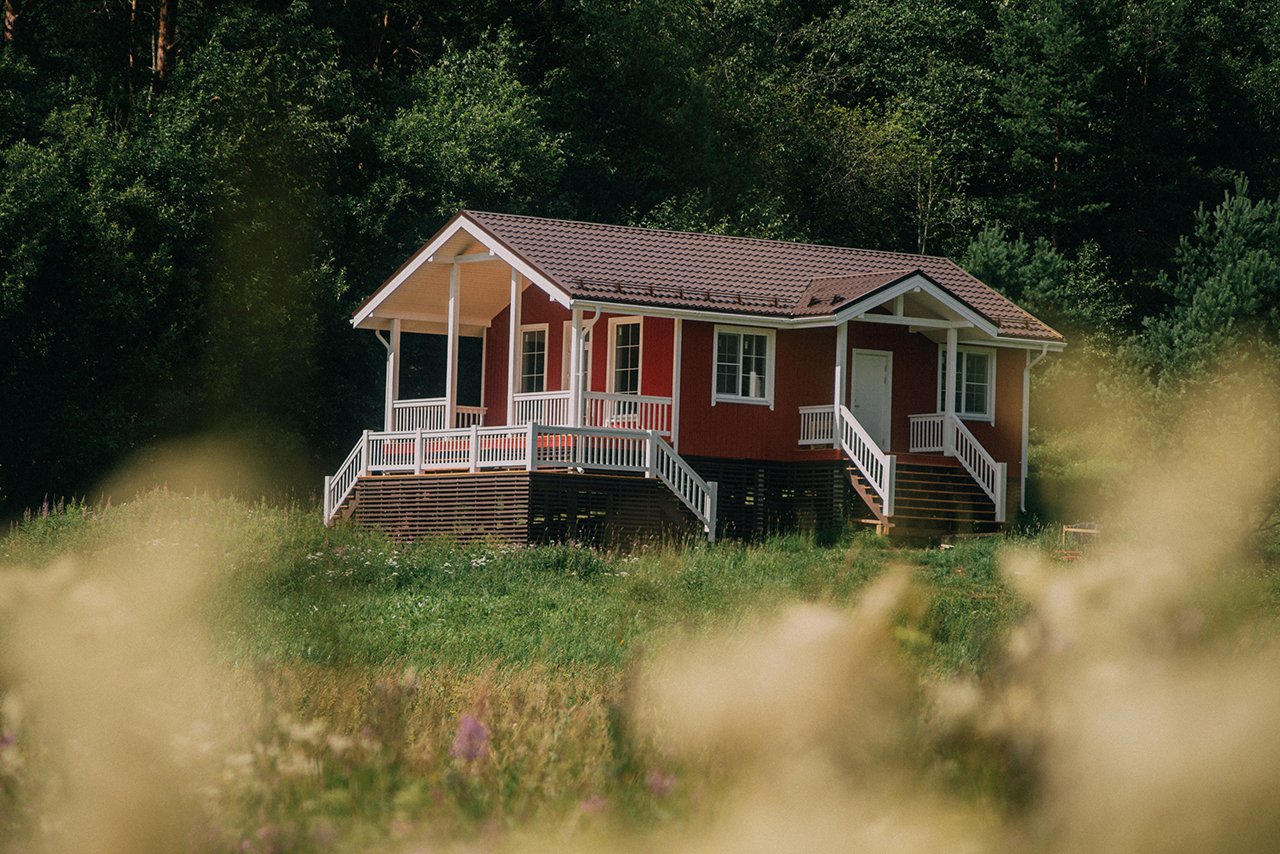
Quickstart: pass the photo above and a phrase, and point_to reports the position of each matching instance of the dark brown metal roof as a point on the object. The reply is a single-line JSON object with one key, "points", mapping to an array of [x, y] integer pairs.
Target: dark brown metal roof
{"points": [[680, 269], [771, 278]]}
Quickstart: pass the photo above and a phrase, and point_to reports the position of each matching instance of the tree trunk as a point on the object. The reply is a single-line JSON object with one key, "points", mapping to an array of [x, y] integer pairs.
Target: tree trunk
{"points": [[166, 42], [12, 23]]}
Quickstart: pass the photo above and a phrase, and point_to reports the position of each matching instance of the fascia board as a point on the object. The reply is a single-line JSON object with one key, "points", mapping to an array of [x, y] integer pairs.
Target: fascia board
{"points": [[424, 255], [908, 285]]}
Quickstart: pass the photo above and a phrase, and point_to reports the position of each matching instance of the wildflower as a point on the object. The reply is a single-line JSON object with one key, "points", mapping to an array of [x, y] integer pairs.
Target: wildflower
{"points": [[472, 740], [661, 784]]}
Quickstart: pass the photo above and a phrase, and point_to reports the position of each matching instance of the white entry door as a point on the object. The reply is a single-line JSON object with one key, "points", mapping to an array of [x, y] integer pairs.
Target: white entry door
{"points": [[871, 390]]}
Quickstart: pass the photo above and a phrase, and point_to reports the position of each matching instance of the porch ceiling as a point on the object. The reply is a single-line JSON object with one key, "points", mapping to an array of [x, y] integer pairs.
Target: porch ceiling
{"points": [[422, 300]]}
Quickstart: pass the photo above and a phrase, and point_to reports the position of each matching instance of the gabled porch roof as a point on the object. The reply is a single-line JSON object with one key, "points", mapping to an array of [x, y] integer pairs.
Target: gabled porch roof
{"points": [[774, 283]]}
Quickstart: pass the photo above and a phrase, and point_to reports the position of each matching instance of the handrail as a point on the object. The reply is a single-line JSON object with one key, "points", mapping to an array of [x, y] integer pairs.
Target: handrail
{"points": [[697, 494], [876, 466], [990, 475], [338, 487]]}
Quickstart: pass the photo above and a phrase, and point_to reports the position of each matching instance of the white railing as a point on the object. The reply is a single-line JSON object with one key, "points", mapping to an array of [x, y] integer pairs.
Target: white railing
{"points": [[428, 414], [876, 466], [990, 475], [530, 447], [628, 411], [338, 487], [697, 494], [927, 433], [543, 407], [817, 425]]}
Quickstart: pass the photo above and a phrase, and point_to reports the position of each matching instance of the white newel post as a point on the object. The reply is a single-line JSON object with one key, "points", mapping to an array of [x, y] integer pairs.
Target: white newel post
{"points": [[451, 358], [575, 370], [949, 397], [675, 385], [531, 445], [473, 452], [393, 376], [513, 348], [842, 368]]}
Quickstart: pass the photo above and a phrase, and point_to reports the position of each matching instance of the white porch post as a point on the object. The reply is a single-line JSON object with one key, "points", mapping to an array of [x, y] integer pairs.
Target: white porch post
{"points": [[451, 357], [949, 396], [393, 375], [575, 370], [513, 348], [842, 368], [675, 385]]}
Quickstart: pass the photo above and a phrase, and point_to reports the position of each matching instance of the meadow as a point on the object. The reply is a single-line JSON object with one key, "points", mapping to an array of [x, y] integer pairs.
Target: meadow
{"points": [[210, 674]]}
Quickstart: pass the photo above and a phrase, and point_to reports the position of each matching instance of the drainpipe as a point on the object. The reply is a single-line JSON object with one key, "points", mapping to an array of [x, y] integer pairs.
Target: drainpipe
{"points": [[393, 373], [1026, 420], [578, 384]]}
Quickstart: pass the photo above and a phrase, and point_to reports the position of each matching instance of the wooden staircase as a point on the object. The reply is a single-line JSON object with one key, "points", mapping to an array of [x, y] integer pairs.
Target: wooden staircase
{"points": [[933, 496]]}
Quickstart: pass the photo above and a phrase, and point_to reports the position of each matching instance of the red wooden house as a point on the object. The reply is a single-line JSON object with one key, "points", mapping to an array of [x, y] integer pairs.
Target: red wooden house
{"points": [[635, 381]]}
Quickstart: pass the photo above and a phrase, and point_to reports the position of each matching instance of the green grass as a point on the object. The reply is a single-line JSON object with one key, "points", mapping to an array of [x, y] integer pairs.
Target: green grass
{"points": [[346, 638]]}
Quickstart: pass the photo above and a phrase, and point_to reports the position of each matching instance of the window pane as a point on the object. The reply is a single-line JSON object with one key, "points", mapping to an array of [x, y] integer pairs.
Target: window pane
{"points": [[754, 350], [975, 383], [728, 346], [533, 360], [626, 358]]}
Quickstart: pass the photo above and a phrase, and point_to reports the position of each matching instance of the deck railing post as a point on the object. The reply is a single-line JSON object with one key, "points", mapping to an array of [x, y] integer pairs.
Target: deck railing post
{"points": [[650, 451], [328, 480], [531, 446], [473, 456], [1002, 484], [364, 454], [418, 442], [713, 492]]}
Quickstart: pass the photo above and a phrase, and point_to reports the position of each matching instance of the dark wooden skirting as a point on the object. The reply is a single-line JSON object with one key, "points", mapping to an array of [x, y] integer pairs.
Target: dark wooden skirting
{"points": [[523, 507], [758, 498]]}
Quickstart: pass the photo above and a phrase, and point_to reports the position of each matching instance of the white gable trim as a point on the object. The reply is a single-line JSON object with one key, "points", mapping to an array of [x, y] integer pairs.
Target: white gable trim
{"points": [[427, 253]]}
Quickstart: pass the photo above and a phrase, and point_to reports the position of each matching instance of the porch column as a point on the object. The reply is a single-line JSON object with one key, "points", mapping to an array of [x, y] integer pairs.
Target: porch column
{"points": [[393, 375], [575, 370], [949, 396], [451, 357], [513, 348], [842, 369], [675, 385]]}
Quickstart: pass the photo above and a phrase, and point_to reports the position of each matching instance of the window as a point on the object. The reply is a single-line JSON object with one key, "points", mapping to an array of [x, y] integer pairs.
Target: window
{"points": [[975, 382], [744, 365], [624, 372], [533, 359]]}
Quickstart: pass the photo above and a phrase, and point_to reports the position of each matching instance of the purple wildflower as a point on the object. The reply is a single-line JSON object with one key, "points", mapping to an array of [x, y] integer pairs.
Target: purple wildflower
{"points": [[472, 740], [661, 784]]}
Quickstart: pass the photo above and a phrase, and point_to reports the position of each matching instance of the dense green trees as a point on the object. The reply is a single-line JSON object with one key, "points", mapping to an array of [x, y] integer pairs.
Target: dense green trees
{"points": [[194, 196]]}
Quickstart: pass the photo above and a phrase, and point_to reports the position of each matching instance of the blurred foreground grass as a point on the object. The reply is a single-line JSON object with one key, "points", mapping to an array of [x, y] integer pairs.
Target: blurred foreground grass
{"points": [[376, 693]]}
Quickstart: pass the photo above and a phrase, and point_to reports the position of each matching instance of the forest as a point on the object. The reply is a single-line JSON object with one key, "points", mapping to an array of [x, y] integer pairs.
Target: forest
{"points": [[194, 195]]}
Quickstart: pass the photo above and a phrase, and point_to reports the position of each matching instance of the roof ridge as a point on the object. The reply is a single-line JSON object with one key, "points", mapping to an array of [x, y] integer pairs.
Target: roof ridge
{"points": [[710, 235]]}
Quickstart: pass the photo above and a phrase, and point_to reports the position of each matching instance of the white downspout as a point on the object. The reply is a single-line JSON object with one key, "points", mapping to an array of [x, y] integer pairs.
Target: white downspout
{"points": [[393, 373], [1026, 422]]}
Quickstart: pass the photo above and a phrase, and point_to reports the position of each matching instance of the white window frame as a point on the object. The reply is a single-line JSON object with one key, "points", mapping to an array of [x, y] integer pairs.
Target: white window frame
{"points": [[770, 364], [546, 353], [990, 352], [565, 353], [614, 323]]}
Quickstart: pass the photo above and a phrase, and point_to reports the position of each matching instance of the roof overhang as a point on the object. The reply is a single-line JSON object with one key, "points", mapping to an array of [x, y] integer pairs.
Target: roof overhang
{"points": [[914, 300], [480, 256]]}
